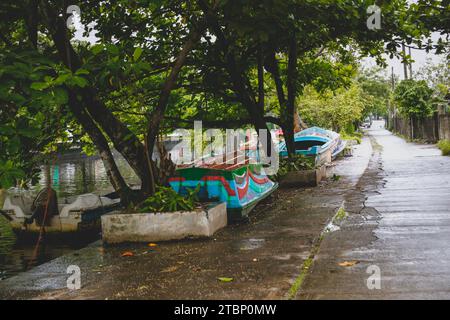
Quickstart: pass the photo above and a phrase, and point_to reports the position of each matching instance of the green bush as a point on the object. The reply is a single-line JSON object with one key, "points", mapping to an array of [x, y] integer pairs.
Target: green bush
{"points": [[297, 163], [444, 145], [166, 199], [336, 110], [357, 136], [414, 98]]}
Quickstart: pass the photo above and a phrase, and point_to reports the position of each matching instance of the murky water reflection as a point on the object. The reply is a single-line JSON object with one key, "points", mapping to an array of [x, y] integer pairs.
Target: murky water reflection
{"points": [[71, 175]]}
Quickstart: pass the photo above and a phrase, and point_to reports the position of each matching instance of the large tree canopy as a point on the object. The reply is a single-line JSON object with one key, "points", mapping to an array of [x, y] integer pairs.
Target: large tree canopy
{"points": [[159, 64]]}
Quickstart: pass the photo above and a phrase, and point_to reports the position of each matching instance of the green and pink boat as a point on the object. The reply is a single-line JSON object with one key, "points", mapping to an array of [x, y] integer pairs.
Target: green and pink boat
{"points": [[241, 186]]}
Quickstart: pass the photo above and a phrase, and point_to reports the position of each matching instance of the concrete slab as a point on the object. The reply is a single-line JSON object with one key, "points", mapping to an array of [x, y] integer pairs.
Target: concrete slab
{"points": [[118, 227]]}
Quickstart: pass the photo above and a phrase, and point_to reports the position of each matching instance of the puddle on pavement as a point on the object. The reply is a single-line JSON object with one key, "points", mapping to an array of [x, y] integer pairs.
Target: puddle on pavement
{"points": [[251, 244], [331, 227]]}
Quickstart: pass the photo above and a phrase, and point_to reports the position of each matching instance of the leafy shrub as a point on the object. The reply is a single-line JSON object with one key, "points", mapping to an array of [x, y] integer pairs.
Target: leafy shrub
{"points": [[9, 174], [166, 199], [414, 98], [336, 110], [357, 136], [297, 163], [444, 145]]}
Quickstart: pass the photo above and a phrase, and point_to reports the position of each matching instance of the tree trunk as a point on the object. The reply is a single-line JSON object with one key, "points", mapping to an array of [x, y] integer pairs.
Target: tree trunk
{"points": [[239, 80], [32, 21], [292, 93], [97, 137], [271, 64], [261, 94], [2, 197], [158, 114], [123, 139], [139, 156], [299, 125]]}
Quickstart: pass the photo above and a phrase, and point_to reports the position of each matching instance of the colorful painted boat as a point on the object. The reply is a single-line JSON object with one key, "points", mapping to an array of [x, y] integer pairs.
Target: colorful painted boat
{"points": [[323, 144], [337, 145], [241, 186]]}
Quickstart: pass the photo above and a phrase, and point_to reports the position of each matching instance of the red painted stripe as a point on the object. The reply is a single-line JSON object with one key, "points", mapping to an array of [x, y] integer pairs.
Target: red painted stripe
{"points": [[177, 179], [242, 192], [258, 180], [225, 183]]}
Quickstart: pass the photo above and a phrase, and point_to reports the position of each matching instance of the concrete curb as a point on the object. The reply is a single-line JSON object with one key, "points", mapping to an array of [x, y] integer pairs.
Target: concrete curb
{"points": [[335, 221]]}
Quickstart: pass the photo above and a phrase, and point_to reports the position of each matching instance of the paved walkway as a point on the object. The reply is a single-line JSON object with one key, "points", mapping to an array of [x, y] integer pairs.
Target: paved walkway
{"points": [[264, 257], [398, 207], [399, 221]]}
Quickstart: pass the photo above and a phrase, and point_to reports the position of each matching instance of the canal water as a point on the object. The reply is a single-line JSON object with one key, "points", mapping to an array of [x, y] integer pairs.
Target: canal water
{"points": [[73, 174]]}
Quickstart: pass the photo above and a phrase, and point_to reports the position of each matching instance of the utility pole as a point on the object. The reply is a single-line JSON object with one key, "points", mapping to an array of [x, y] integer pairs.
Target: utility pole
{"points": [[405, 65], [392, 78], [405, 70], [392, 112], [410, 64]]}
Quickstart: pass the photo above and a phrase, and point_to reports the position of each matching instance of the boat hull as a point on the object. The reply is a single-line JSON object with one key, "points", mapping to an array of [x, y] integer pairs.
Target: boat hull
{"points": [[323, 144], [83, 215], [241, 188]]}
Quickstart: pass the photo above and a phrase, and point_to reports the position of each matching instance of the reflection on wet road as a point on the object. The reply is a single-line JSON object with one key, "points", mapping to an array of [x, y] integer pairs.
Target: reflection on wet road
{"points": [[403, 228], [413, 249]]}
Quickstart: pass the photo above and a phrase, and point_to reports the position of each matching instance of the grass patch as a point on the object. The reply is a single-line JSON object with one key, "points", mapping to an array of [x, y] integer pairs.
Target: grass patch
{"points": [[356, 136], [307, 264], [299, 281], [340, 215], [444, 145]]}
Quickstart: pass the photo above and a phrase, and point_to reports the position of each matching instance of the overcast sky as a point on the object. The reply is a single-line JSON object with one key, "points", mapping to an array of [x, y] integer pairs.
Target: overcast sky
{"points": [[419, 56]]}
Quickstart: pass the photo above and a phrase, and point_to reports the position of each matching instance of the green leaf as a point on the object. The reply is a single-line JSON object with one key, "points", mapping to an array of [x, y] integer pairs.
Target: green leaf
{"points": [[7, 130], [225, 279], [79, 81], [114, 50], [137, 53], [9, 174], [61, 96], [96, 49], [29, 132], [39, 86], [62, 78], [80, 72]]}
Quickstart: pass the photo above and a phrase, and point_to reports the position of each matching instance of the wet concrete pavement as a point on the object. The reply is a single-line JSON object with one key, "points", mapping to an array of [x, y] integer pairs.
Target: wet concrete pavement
{"points": [[263, 257], [399, 222], [397, 197]]}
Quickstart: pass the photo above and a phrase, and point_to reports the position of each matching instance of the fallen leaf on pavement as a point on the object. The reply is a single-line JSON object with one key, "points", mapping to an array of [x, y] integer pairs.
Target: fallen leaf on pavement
{"points": [[170, 269], [224, 279], [127, 254], [348, 263], [142, 288]]}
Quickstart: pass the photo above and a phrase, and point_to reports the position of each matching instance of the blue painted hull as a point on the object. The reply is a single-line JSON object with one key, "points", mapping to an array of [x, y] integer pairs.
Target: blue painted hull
{"points": [[314, 142]]}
